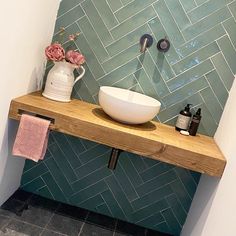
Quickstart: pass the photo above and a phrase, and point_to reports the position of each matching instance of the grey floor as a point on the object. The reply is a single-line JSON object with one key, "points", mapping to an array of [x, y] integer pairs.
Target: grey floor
{"points": [[45, 217]]}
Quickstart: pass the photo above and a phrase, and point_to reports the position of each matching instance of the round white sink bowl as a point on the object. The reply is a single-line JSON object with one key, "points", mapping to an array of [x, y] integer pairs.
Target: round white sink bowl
{"points": [[127, 106]]}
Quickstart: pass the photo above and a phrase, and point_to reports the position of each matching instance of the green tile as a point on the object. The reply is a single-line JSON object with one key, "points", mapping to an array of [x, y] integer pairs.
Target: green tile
{"points": [[93, 40], [228, 51], [196, 58], [155, 218], [106, 13], [212, 103], [120, 72], [178, 14], [133, 22], [169, 23], [33, 186], [92, 202], [127, 82], [65, 6], [190, 75], [121, 58], [97, 23], [71, 16], [114, 5], [201, 41], [44, 192], [206, 23], [125, 2], [218, 87], [185, 91], [128, 40], [232, 8], [103, 208], [159, 33], [132, 8], [230, 26], [188, 4], [91, 60], [223, 70], [206, 9], [199, 2]]}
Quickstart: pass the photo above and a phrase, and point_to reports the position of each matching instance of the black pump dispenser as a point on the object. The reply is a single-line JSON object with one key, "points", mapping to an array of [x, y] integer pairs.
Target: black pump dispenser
{"points": [[195, 123], [184, 118]]}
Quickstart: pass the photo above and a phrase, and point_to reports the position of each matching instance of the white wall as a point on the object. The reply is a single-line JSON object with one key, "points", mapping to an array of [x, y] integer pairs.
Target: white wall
{"points": [[213, 209], [26, 29]]}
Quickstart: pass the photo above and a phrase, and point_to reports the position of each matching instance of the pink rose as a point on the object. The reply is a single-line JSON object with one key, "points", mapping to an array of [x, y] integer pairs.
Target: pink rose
{"points": [[55, 52], [75, 57]]}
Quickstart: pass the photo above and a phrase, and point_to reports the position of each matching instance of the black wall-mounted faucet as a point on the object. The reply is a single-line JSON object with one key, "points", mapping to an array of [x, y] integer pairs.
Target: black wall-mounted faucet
{"points": [[146, 41]]}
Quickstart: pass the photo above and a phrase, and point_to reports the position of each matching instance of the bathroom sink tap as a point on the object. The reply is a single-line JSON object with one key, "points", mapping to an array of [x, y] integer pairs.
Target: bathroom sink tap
{"points": [[145, 41]]}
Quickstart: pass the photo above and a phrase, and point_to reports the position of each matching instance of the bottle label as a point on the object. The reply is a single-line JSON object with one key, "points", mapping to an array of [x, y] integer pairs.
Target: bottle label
{"points": [[183, 122]]}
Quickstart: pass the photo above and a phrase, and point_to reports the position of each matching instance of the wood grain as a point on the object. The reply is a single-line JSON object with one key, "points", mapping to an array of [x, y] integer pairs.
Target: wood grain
{"points": [[153, 140]]}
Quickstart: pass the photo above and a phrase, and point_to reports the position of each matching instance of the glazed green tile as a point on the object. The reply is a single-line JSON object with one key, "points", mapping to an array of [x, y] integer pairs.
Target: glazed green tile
{"points": [[91, 178], [131, 172], [228, 51], [44, 192], [91, 60], [173, 222], [199, 2], [69, 18], [206, 23], [120, 196], [156, 218], [33, 173], [93, 40], [142, 205], [106, 13], [185, 91], [69, 153], [200, 41], [59, 177], [212, 103], [92, 165], [96, 22], [65, 6], [103, 208], [133, 22], [128, 40], [188, 4], [169, 23], [176, 207], [113, 205], [218, 87], [115, 5], [125, 183], [178, 14], [223, 70], [128, 82], [125, 2], [120, 72], [162, 227], [159, 33], [190, 75], [33, 186], [85, 194], [196, 58], [232, 8], [173, 111], [59, 155], [230, 26], [92, 202], [206, 9], [132, 8], [92, 153], [121, 58]]}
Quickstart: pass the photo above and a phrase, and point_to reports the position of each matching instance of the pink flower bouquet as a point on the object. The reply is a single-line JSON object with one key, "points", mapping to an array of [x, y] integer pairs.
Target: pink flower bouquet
{"points": [[55, 52]]}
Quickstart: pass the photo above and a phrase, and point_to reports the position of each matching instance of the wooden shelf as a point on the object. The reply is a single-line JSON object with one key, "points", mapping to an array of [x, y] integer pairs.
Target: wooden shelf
{"points": [[153, 140]]}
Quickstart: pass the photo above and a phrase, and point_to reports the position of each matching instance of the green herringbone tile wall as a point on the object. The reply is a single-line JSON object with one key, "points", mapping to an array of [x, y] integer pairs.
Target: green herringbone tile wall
{"points": [[198, 69]]}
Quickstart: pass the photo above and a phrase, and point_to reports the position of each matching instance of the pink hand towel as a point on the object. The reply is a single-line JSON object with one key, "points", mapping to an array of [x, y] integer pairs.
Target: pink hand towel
{"points": [[32, 138]]}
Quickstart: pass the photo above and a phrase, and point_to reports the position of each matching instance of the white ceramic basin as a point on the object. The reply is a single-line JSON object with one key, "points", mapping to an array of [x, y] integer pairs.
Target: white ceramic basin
{"points": [[127, 106]]}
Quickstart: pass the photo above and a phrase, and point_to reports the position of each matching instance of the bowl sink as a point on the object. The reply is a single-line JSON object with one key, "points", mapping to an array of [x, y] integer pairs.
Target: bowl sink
{"points": [[127, 106]]}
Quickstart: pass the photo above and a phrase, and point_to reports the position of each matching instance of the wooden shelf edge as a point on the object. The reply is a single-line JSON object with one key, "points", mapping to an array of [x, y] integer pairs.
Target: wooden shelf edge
{"points": [[152, 140]]}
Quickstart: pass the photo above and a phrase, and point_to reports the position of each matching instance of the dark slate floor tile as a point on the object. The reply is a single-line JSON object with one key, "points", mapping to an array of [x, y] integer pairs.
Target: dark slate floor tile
{"points": [[51, 233], [12, 207], [4, 221], [101, 220], [22, 227], [129, 229], [72, 212], [93, 230], [64, 225], [38, 201], [21, 195]]}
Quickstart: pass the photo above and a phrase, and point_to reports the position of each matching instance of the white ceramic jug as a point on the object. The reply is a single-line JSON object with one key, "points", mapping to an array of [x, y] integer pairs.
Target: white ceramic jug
{"points": [[60, 81]]}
